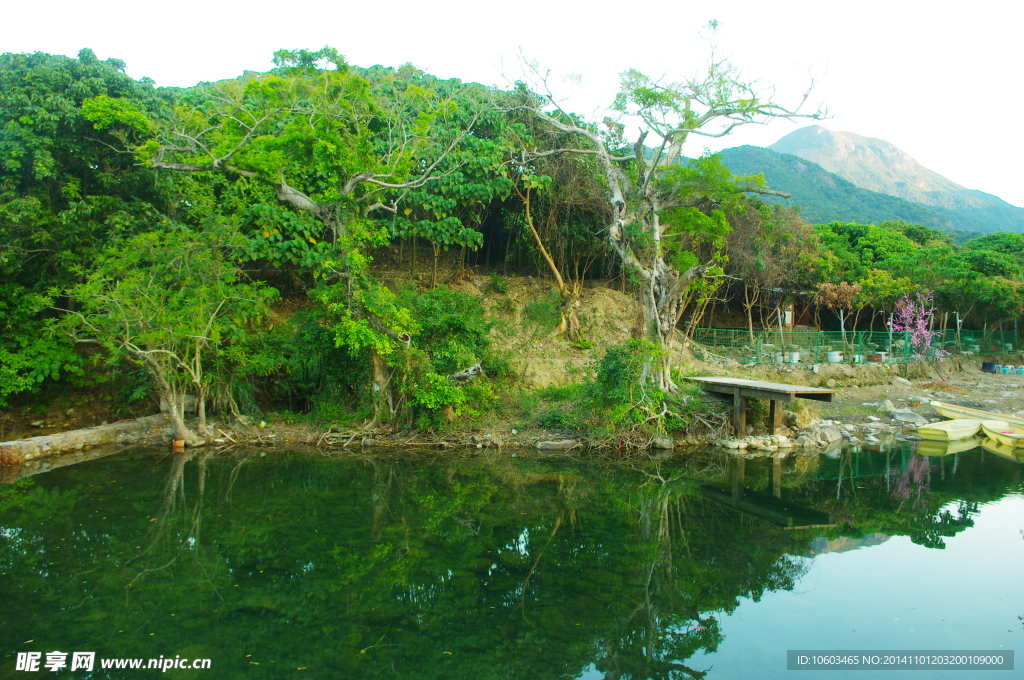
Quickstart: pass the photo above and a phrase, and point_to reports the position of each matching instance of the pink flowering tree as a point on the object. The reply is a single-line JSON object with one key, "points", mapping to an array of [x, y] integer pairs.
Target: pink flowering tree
{"points": [[914, 316]]}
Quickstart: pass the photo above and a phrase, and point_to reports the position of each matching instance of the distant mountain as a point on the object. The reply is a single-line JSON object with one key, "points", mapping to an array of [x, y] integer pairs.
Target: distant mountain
{"points": [[824, 197], [880, 166]]}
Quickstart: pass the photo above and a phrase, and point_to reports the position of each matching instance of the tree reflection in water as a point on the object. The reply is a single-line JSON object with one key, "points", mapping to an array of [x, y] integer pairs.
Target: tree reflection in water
{"points": [[420, 567]]}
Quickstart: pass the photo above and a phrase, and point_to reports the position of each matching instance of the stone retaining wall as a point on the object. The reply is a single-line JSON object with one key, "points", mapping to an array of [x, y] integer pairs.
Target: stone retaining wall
{"points": [[149, 430]]}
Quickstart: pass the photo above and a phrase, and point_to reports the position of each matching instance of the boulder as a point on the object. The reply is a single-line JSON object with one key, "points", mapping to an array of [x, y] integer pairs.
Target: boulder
{"points": [[664, 443], [906, 416], [886, 407], [831, 434]]}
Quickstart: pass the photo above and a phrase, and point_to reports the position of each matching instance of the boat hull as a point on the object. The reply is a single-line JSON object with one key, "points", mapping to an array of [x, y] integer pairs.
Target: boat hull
{"points": [[950, 430], [954, 411], [1004, 433]]}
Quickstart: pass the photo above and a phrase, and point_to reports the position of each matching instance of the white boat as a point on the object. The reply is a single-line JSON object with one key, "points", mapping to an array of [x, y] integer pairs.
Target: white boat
{"points": [[950, 430], [1003, 432], [956, 412]]}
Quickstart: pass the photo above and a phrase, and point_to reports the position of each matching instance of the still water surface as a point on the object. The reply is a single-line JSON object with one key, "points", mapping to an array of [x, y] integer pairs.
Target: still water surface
{"points": [[298, 565]]}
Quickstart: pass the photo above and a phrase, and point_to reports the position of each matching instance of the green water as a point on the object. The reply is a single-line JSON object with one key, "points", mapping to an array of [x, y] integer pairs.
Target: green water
{"points": [[299, 565]]}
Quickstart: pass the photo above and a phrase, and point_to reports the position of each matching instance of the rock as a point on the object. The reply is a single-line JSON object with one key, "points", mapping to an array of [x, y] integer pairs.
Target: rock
{"points": [[803, 441], [831, 383], [367, 442], [874, 419], [902, 381], [831, 434], [560, 445], [38, 423], [731, 444], [905, 416], [871, 439], [886, 407], [664, 443]]}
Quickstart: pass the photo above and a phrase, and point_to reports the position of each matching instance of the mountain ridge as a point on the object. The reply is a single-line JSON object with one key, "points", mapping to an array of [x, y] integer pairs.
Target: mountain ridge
{"points": [[881, 166], [828, 172]]}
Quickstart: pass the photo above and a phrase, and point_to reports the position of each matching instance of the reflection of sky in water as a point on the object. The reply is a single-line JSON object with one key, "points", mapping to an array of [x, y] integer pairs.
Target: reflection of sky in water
{"points": [[895, 595]]}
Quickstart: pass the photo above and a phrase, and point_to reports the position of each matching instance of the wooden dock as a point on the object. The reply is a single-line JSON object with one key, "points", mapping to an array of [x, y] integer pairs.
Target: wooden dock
{"points": [[742, 389]]}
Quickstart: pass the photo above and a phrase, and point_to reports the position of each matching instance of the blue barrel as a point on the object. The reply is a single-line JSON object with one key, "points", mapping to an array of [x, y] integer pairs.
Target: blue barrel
{"points": [[987, 366]]}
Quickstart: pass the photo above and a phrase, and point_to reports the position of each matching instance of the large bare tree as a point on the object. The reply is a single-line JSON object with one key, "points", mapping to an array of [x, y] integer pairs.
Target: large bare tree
{"points": [[654, 195]]}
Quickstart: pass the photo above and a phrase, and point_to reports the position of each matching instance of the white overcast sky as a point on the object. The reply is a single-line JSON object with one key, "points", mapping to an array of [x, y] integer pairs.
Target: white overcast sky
{"points": [[941, 80]]}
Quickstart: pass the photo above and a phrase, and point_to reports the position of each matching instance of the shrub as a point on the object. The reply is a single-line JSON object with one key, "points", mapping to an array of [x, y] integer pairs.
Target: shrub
{"points": [[497, 284], [545, 312], [453, 328], [622, 394]]}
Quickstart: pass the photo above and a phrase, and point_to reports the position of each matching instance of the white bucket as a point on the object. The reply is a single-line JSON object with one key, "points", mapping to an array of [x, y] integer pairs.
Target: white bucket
{"points": [[834, 357], [794, 357], [778, 357]]}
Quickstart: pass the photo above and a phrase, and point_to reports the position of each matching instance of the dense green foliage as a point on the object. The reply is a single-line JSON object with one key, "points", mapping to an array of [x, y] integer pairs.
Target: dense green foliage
{"points": [[287, 184]]}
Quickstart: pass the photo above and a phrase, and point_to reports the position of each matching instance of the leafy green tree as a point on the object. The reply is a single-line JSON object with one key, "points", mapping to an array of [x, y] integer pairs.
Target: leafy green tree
{"points": [[67, 188], [324, 149], [448, 210], [175, 302]]}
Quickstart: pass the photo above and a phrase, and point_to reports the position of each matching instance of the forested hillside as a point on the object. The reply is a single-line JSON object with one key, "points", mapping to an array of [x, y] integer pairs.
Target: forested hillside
{"points": [[226, 242]]}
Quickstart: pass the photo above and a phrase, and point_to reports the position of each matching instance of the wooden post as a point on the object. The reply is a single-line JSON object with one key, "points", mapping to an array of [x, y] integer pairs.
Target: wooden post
{"points": [[739, 416], [774, 416]]}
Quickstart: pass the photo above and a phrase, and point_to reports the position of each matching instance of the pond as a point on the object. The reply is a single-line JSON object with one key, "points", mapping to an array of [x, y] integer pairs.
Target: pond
{"points": [[300, 565]]}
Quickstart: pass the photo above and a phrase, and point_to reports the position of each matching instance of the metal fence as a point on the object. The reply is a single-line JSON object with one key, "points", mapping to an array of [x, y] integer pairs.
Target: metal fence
{"points": [[818, 347]]}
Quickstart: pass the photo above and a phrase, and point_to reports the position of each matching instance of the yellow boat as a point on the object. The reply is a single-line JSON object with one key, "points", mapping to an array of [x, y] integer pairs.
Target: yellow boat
{"points": [[1003, 432], [950, 430], [936, 448], [955, 411], [1003, 450]]}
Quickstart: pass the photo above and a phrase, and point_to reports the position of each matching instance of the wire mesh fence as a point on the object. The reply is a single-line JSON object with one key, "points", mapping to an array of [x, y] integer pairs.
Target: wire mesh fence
{"points": [[817, 347]]}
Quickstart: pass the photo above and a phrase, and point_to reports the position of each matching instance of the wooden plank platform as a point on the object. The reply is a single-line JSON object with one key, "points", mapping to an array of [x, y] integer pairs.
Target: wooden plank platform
{"points": [[742, 389]]}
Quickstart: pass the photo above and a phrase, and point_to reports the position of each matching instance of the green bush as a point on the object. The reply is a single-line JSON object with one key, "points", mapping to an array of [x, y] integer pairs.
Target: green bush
{"points": [[453, 328], [497, 284], [623, 395], [545, 312], [319, 377]]}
